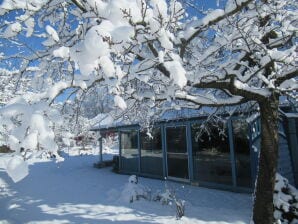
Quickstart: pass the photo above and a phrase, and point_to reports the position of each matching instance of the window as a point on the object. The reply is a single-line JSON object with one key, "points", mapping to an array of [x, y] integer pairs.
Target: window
{"points": [[151, 153], [177, 157], [129, 151], [242, 153], [211, 154]]}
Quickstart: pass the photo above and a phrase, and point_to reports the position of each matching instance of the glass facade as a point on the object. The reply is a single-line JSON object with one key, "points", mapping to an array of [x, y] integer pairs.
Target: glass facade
{"points": [[242, 153], [211, 154], [151, 153], [129, 151], [177, 157]]}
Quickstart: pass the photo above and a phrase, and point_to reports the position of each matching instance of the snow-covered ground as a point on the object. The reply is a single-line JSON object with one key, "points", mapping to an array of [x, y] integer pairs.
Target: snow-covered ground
{"points": [[74, 192]]}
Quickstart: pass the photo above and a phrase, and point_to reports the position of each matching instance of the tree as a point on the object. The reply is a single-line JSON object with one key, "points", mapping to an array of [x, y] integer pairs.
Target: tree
{"points": [[11, 86], [156, 55]]}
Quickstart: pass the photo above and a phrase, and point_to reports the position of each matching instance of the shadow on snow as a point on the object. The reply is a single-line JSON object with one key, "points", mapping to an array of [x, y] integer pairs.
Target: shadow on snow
{"points": [[75, 192]]}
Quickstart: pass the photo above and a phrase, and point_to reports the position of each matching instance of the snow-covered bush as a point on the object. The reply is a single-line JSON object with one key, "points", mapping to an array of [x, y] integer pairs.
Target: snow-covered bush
{"points": [[133, 191], [168, 197], [285, 201], [164, 197]]}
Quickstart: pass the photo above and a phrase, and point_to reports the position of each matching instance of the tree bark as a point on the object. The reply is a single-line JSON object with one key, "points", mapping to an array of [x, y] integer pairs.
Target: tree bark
{"points": [[268, 158]]}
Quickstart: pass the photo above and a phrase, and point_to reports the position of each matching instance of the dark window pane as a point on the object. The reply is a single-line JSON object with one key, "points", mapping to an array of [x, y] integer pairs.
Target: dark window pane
{"points": [[176, 139], [296, 121], [129, 151], [178, 165], [211, 154], [177, 157], [242, 153], [151, 153]]}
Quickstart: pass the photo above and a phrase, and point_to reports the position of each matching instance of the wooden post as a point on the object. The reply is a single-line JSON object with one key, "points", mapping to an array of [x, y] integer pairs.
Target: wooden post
{"points": [[100, 150]]}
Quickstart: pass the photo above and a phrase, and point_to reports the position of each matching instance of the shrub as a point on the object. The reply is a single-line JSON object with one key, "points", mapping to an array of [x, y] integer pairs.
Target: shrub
{"points": [[5, 149], [285, 201], [168, 197], [133, 191]]}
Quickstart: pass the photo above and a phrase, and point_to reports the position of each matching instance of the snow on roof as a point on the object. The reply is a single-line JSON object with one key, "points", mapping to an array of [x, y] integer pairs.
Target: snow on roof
{"points": [[102, 120], [185, 113], [105, 121]]}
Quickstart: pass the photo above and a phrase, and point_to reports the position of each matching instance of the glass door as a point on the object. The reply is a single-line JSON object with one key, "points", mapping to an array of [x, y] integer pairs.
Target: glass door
{"points": [[177, 156], [129, 151]]}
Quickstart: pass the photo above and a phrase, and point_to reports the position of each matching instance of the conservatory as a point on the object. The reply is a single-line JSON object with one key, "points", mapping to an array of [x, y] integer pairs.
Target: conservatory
{"points": [[222, 156]]}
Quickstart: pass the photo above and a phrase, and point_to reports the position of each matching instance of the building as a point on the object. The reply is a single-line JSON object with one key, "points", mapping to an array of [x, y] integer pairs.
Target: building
{"points": [[224, 157]]}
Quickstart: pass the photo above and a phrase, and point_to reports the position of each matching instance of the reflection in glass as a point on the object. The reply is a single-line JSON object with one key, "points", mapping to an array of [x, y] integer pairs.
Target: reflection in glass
{"points": [[177, 157], [129, 151], [255, 132], [242, 153], [151, 153], [211, 154]]}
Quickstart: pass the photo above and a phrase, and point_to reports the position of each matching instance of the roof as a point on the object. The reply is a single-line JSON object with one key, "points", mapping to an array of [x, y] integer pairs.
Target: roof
{"points": [[106, 121]]}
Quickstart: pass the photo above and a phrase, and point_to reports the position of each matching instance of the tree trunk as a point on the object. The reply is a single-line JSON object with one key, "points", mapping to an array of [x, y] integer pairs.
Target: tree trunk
{"points": [[263, 201]]}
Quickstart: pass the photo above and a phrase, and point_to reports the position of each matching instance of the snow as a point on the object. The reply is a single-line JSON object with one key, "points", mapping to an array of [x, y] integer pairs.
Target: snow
{"points": [[160, 6], [264, 92], [86, 54], [212, 16], [35, 131], [102, 120], [30, 26], [195, 24], [14, 143], [177, 72], [285, 201], [75, 192], [52, 32], [107, 66], [12, 30], [62, 52], [119, 102], [132, 190], [32, 5], [56, 89], [17, 168], [164, 40], [206, 99], [45, 133], [161, 56], [232, 4], [30, 141]]}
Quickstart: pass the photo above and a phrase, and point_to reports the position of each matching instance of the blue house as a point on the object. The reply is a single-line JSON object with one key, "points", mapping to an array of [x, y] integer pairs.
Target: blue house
{"points": [[223, 156]]}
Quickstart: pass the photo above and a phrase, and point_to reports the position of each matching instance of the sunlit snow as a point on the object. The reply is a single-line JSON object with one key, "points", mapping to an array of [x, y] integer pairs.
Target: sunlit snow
{"points": [[76, 192]]}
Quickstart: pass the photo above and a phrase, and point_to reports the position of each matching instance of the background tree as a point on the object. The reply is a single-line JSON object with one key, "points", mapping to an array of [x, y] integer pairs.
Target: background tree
{"points": [[11, 85], [153, 55]]}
